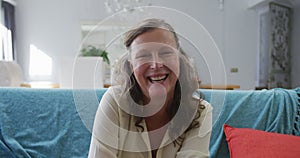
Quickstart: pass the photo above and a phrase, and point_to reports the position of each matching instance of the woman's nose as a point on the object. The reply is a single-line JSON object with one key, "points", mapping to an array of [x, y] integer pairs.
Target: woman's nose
{"points": [[156, 62], [155, 65]]}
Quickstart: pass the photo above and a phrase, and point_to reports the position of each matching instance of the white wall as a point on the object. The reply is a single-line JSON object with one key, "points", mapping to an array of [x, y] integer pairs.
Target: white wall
{"points": [[295, 48], [54, 27], [240, 46], [233, 29]]}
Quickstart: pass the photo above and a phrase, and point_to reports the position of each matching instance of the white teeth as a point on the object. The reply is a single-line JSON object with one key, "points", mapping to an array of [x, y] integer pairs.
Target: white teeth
{"points": [[158, 78]]}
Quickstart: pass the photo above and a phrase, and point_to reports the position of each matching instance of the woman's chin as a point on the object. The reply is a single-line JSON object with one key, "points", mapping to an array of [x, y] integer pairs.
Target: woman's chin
{"points": [[157, 89], [157, 93]]}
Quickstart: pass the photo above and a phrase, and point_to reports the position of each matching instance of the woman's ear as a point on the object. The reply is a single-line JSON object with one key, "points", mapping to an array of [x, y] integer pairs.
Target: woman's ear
{"points": [[131, 67], [129, 61]]}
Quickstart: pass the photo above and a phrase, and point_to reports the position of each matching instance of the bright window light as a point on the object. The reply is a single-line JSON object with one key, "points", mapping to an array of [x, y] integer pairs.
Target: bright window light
{"points": [[6, 44], [40, 64]]}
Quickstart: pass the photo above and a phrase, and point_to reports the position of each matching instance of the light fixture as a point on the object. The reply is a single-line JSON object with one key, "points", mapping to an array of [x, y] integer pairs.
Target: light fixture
{"points": [[114, 6]]}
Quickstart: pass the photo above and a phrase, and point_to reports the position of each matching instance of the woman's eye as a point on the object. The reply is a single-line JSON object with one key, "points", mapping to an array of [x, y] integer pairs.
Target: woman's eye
{"points": [[166, 53], [142, 55]]}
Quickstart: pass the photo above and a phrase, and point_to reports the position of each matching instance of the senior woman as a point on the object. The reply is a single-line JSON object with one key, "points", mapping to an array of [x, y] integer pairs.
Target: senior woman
{"points": [[154, 110]]}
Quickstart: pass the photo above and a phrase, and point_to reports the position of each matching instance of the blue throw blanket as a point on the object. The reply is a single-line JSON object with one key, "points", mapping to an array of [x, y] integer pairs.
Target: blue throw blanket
{"points": [[57, 122], [29, 127], [269, 110]]}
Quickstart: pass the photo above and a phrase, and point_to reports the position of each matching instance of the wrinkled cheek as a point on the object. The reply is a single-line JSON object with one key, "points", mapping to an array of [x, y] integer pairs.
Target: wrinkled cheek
{"points": [[138, 72], [139, 67], [173, 65], [141, 81], [177, 72]]}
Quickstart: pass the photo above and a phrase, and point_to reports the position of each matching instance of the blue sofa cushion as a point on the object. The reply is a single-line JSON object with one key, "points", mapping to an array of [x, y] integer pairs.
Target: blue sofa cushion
{"points": [[44, 122], [268, 110], [58, 122]]}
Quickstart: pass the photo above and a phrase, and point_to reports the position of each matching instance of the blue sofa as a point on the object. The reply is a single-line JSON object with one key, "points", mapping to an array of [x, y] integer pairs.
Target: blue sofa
{"points": [[57, 122]]}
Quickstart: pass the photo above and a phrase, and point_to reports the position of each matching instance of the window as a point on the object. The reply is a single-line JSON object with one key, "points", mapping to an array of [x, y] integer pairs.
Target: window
{"points": [[7, 31]]}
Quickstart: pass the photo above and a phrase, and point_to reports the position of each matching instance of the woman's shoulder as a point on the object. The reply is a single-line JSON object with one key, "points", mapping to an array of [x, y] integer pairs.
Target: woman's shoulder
{"points": [[117, 96], [114, 91], [202, 103], [112, 96], [206, 104]]}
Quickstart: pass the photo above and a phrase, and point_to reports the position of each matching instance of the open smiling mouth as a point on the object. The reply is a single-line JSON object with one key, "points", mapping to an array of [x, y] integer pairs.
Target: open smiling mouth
{"points": [[158, 78]]}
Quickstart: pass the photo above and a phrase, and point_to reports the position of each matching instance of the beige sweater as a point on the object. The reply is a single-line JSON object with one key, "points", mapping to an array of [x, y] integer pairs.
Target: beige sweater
{"points": [[115, 134]]}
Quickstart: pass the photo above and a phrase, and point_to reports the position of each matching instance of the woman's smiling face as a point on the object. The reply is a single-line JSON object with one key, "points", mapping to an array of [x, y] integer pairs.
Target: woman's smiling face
{"points": [[154, 61]]}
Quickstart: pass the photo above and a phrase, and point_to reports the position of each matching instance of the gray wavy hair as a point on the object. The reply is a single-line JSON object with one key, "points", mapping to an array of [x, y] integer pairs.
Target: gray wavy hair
{"points": [[187, 83]]}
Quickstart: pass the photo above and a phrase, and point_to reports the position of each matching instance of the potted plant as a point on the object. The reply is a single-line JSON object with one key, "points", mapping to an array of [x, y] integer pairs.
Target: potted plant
{"points": [[94, 51]]}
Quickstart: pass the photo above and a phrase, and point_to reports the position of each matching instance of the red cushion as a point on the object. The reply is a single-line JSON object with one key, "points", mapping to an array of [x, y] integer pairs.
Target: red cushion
{"points": [[250, 143]]}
